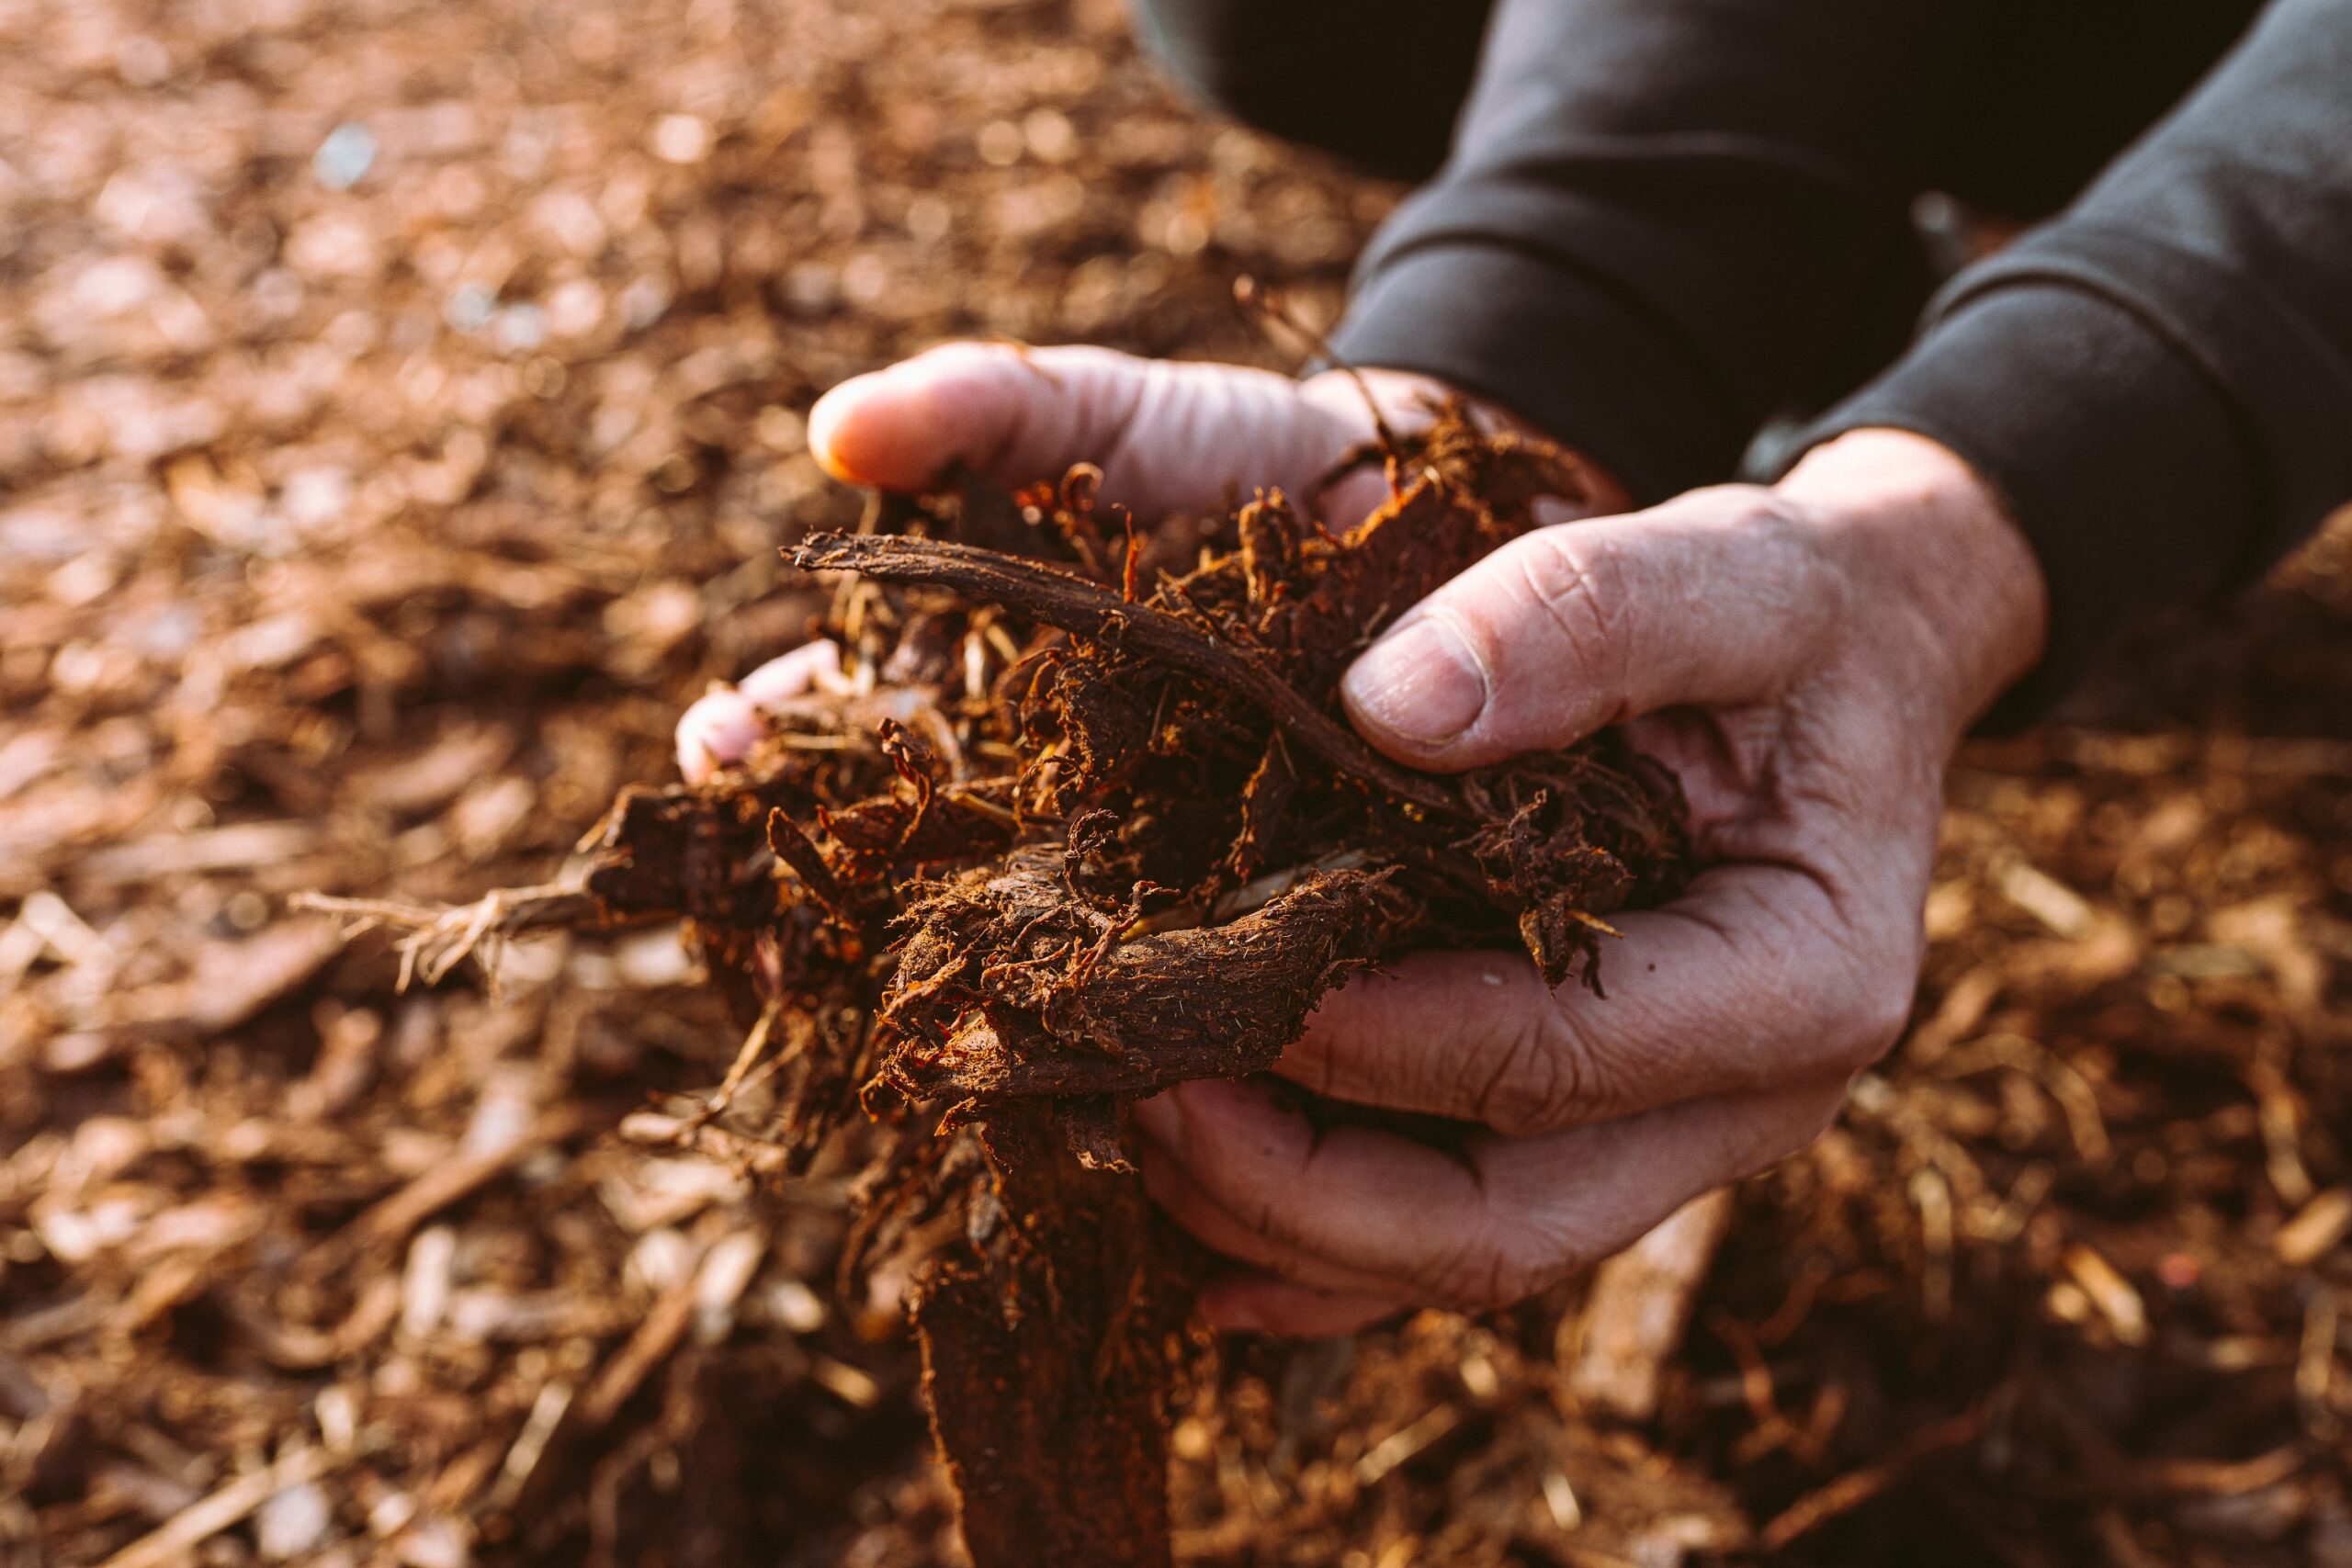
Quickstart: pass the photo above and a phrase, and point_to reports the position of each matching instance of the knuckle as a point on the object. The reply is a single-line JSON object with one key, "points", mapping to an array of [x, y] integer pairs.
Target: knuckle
{"points": [[1784, 555], [1474, 1275], [1436, 1275], [1862, 954], [1310, 1060], [1820, 1117], [1534, 1078], [1885, 1018], [1530, 1260], [1795, 1130], [1775, 527], [1770, 517], [1263, 1219], [1580, 591], [1874, 1010]]}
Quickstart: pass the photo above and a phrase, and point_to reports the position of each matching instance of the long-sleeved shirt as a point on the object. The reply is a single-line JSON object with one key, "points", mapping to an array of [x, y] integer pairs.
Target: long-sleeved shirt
{"points": [[1660, 224]]}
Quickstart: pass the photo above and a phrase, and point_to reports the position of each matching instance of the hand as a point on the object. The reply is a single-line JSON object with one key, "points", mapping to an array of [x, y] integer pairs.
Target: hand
{"points": [[1169, 438], [1805, 657]]}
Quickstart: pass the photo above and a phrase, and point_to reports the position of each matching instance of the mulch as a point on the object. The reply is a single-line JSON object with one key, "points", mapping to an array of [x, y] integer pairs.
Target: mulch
{"points": [[401, 406]]}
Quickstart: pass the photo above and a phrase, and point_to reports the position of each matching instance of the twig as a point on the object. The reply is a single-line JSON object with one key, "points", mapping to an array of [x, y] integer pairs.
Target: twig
{"points": [[790, 843], [1400, 1446], [438, 940], [755, 1044], [2220, 1477], [688, 1133], [389, 1221], [1043, 593], [531, 1444], [658, 1333], [1639, 1304], [175, 1539], [1855, 1487], [1250, 295]]}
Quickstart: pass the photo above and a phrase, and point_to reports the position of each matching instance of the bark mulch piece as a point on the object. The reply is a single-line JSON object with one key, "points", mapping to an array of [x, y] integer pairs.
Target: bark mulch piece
{"points": [[399, 413]]}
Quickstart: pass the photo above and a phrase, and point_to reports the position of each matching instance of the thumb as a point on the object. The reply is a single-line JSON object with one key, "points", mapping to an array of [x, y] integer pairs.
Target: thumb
{"points": [[1716, 597], [1169, 437]]}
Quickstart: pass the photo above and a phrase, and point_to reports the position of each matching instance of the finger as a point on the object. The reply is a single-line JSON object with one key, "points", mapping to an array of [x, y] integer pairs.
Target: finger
{"points": [[1714, 598], [1254, 1302], [814, 666], [1755, 976], [1169, 437], [1511, 1217], [1185, 1200], [717, 729], [720, 728]]}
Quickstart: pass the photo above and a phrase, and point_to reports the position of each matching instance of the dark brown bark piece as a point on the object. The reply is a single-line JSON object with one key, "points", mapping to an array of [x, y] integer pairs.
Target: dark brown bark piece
{"points": [[1045, 1016], [1048, 1358]]}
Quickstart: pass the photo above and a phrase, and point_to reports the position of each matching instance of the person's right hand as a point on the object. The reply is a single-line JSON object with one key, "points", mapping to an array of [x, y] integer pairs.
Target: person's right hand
{"points": [[1170, 437]]}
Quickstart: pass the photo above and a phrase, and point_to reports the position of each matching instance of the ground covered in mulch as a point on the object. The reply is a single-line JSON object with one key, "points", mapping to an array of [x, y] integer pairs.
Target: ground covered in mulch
{"points": [[400, 408]]}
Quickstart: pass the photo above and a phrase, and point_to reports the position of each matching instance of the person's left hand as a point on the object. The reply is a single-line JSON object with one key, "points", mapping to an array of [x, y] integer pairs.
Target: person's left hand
{"points": [[1805, 657]]}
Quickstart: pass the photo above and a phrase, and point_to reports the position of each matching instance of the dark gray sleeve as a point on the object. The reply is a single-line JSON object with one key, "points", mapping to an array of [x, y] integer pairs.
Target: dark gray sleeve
{"points": [[1327, 72], [2160, 380], [1657, 211]]}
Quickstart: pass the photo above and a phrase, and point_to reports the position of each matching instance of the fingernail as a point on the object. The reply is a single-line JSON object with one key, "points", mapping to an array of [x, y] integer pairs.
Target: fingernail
{"points": [[1420, 683], [824, 427]]}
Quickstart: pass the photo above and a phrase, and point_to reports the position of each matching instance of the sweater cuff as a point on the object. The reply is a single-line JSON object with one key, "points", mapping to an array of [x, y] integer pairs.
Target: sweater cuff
{"points": [[2117, 456], [1558, 346]]}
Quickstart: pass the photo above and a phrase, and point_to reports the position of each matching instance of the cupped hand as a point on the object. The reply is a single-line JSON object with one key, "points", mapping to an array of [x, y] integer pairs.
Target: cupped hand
{"points": [[1805, 656], [1169, 438]]}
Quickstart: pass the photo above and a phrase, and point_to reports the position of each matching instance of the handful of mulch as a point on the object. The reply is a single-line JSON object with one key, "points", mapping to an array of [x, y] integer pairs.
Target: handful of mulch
{"points": [[1082, 821]]}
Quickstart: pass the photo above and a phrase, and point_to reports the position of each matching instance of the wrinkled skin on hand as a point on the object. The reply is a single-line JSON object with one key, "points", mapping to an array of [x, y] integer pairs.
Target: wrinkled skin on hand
{"points": [[1804, 656]]}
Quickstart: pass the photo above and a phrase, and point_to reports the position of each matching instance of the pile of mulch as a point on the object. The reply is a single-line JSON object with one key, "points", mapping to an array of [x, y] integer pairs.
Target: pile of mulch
{"points": [[400, 409]]}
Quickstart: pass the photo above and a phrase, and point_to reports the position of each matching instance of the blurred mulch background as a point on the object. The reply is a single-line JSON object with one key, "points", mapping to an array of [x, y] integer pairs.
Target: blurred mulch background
{"points": [[400, 402]]}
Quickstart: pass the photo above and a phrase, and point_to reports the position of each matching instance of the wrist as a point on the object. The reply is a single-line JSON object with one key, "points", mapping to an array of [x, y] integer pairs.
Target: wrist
{"points": [[1931, 541]]}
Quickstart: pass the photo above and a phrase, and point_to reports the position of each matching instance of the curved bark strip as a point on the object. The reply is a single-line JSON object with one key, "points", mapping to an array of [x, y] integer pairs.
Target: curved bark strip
{"points": [[1058, 598]]}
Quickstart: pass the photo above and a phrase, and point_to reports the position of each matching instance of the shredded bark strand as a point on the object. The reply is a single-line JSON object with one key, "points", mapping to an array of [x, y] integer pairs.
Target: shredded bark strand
{"points": [[1076, 605]]}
